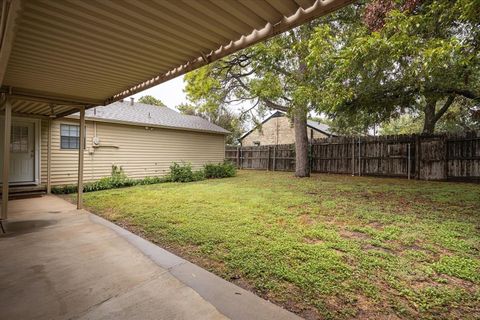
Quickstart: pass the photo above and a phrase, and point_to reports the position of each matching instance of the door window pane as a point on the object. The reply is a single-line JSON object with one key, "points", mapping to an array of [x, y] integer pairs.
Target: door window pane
{"points": [[19, 139]]}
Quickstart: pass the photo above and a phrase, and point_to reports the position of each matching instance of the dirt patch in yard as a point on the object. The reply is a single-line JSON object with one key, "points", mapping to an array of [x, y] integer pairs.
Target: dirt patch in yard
{"points": [[306, 219], [371, 247], [312, 240], [376, 225], [354, 235], [368, 310], [444, 281], [292, 302]]}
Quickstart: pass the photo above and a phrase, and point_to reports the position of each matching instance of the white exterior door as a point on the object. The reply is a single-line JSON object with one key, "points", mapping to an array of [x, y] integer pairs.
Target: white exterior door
{"points": [[22, 151]]}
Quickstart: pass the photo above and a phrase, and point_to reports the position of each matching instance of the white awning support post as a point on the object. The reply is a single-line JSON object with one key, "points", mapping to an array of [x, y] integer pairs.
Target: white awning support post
{"points": [[6, 157], [80, 159], [49, 158]]}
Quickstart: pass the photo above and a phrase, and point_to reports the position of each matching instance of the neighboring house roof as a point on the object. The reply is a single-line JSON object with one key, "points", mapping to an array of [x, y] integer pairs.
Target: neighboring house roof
{"points": [[149, 115], [320, 127]]}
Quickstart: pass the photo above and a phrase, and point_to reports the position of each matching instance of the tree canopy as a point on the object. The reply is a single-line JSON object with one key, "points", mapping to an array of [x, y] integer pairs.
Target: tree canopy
{"points": [[273, 75], [222, 117], [148, 99], [402, 57], [369, 64], [462, 116]]}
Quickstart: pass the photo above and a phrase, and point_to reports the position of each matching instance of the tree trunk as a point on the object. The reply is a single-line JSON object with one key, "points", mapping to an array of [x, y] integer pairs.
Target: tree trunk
{"points": [[302, 167], [432, 115], [429, 124]]}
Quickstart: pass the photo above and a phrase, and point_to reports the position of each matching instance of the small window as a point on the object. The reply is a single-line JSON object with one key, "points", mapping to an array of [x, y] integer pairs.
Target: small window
{"points": [[256, 143], [69, 136]]}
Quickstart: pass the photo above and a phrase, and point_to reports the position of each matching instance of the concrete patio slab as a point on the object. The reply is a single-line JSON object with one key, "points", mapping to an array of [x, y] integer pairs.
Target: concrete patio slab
{"points": [[61, 263], [71, 268]]}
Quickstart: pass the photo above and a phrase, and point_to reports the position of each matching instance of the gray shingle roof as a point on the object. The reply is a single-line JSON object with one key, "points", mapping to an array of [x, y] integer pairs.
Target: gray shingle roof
{"points": [[145, 114], [319, 126]]}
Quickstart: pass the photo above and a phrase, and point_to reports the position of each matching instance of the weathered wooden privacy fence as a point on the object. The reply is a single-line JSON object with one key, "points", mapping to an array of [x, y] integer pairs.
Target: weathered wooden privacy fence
{"points": [[432, 157]]}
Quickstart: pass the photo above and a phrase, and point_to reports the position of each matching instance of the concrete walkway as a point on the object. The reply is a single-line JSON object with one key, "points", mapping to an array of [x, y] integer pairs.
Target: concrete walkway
{"points": [[60, 263]]}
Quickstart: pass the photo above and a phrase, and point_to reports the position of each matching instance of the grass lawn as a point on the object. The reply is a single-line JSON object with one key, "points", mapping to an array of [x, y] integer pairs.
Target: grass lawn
{"points": [[330, 246]]}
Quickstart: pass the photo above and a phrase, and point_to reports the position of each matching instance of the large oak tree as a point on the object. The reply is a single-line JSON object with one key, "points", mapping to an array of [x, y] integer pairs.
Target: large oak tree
{"points": [[405, 56], [271, 75]]}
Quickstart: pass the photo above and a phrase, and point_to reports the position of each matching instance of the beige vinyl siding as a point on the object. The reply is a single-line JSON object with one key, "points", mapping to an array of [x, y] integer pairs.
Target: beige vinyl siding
{"points": [[140, 151]]}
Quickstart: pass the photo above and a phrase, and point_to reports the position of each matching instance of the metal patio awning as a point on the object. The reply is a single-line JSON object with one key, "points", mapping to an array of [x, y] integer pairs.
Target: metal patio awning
{"points": [[57, 55]]}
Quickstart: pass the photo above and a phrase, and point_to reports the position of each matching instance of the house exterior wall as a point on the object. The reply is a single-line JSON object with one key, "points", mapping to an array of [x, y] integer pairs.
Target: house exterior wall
{"points": [[139, 151], [314, 134], [277, 130]]}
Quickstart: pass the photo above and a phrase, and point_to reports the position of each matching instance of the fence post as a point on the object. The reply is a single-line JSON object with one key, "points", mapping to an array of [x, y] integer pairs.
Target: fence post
{"points": [[359, 158], [417, 156], [268, 161], [408, 163], [311, 157], [241, 158], [445, 145], [238, 157], [353, 157], [274, 157]]}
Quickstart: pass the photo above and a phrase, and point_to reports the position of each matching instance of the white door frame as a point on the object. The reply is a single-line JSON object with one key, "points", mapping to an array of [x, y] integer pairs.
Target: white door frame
{"points": [[37, 141]]}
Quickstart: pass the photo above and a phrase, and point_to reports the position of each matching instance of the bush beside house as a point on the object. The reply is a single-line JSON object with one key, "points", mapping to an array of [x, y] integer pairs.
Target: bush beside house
{"points": [[178, 173]]}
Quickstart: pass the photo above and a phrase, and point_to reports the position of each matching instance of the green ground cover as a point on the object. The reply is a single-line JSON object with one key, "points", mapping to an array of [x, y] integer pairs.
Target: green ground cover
{"points": [[330, 246]]}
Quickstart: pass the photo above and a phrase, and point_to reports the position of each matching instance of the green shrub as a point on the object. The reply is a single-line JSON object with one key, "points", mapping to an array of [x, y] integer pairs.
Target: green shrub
{"points": [[220, 170], [66, 189], [184, 173], [117, 179], [151, 180], [198, 175], [178, 173]]}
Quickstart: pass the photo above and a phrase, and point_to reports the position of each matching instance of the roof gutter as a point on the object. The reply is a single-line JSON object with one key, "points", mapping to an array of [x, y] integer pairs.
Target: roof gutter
{"points": [[318, 9], [141, 124]]}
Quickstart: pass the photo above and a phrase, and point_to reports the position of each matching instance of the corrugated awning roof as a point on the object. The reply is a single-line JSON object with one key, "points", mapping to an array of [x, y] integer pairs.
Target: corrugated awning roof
{"points": [[79, 52]]}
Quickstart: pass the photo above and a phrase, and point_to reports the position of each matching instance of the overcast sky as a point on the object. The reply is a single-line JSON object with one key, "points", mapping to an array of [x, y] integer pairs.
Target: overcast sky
{"points": [[170, 92]]}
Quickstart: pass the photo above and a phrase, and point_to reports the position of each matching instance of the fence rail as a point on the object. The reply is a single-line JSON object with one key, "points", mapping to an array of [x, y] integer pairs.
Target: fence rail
{"points": [[432, 157]]}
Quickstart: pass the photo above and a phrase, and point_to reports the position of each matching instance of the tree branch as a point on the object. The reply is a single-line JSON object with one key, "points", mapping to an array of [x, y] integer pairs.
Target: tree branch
{"points": [[274, 105], [238, 100], [463, 92], [444, 108], [268, 102], [249, 109]]}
